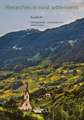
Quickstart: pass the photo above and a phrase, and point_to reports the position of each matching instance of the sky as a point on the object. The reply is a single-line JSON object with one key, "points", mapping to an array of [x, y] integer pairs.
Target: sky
{"points": [[13, 20]]}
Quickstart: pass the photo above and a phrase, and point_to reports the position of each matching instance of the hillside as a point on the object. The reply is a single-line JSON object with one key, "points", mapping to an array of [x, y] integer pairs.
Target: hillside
{"points": [[64, 84], [31, 47], [52, 63]]}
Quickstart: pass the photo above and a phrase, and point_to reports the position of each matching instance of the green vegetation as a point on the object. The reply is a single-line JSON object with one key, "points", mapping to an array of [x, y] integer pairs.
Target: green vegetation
{"points": [[59, 91]]}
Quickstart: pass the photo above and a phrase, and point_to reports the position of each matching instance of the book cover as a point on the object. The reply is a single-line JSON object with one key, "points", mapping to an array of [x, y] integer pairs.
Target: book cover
{"points": [[41, 60]]}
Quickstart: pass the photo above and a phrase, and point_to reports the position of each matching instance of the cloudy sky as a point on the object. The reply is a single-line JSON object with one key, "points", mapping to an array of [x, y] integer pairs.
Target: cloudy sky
{"points": [[12, 19]]}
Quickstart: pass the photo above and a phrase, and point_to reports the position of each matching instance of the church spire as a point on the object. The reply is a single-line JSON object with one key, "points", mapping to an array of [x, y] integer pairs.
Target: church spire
{"points": [[26, 95], [25, 105], [27, 87]]}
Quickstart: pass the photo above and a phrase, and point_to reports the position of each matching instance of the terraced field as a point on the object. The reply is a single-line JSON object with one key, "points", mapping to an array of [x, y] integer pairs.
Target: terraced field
{"points": [[57, 89]]}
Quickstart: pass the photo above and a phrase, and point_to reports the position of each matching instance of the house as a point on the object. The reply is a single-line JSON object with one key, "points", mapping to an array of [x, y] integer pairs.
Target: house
{"points": [[48, 95], [3, 101], [38, 110], [25, 103], [41, 111]]}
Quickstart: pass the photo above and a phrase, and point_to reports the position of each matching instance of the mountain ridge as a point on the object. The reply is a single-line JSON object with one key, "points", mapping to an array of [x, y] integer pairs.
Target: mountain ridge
{"points": [[31, 47]]}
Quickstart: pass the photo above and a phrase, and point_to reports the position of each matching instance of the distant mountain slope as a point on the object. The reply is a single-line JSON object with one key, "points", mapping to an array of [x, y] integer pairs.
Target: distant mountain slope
{"points": [[29, 47]]}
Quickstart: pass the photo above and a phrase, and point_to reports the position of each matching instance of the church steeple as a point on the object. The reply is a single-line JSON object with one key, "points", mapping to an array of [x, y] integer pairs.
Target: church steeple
{"points": [[25, 105], [27, 87], [26, 94]]}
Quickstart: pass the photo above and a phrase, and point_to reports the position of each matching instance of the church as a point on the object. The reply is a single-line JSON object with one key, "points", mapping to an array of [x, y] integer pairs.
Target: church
{"points": [[25, 103]]}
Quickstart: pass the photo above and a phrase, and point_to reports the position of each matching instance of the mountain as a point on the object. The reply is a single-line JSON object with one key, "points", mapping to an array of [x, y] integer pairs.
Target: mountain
{"points": [[32, 47]]}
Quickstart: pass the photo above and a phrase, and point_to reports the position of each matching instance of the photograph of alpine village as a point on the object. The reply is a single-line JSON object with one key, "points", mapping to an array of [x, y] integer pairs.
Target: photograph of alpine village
{"points": [[42, 73]]}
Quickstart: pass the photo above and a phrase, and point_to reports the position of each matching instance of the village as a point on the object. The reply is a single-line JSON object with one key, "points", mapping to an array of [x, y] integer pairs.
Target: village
{"points": [[47, 96]]}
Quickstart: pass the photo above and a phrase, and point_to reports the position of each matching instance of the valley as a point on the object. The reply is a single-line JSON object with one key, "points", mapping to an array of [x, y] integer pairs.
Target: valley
{"points": [[51, 88], [52, 63]]}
